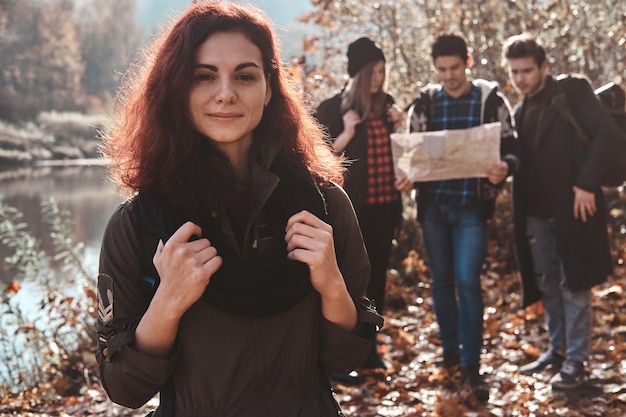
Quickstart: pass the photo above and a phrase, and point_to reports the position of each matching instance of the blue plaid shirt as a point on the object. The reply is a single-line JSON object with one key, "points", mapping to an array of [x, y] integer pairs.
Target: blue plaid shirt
{"points": [[455, 113]]}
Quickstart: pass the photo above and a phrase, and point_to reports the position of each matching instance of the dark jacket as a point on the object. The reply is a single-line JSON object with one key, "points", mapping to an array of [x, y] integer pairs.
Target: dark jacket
{"points": [[228, 365], [563, 162], [329, 114], [494, 108]]}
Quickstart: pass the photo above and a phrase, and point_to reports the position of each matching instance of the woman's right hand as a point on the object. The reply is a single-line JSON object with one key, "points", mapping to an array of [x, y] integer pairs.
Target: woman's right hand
{"points": [[185, 267], [350, 119]]}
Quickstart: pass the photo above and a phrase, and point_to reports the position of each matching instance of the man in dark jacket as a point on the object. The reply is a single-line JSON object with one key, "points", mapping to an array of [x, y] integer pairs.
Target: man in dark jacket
{"points": [[453, 213], [559, 213]]}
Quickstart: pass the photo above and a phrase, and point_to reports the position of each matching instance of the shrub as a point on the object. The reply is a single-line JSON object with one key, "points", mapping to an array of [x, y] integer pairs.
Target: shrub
{"points": [[45, 323]]}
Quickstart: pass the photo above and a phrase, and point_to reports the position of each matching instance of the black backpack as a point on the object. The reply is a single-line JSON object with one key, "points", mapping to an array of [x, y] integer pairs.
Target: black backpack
{"points": [[612, 96]]}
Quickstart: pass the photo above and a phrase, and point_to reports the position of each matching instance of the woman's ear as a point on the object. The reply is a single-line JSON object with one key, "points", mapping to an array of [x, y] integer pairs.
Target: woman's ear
{"points": [[268, 90]]}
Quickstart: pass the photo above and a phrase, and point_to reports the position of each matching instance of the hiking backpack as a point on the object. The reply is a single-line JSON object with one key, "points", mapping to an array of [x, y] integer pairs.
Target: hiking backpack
{"points": [[612, 96]]}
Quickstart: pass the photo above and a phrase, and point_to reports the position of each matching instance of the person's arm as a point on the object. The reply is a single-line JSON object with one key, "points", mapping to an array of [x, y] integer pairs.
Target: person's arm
{"points": [[130, 377], [603, 134], [395, 116], [603, 137], [310, 240], [136, 330], [185, 269], [340, 128], [346, 334], [350, 120]]}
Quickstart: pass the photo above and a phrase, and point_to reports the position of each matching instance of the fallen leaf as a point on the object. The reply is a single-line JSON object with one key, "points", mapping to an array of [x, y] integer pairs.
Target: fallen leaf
{"points": [[13, 287]]}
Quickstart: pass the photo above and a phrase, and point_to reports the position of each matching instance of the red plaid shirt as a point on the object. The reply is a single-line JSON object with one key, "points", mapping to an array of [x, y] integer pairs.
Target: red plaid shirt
{"points": [[380, 172]]}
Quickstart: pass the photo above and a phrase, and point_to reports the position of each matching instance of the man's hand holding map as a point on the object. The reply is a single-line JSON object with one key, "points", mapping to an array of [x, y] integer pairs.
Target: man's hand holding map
{"points": [[446, 154]]}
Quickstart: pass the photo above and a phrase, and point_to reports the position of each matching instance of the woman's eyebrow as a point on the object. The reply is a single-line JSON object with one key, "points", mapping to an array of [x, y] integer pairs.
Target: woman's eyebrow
{"points": [[237, 68]]}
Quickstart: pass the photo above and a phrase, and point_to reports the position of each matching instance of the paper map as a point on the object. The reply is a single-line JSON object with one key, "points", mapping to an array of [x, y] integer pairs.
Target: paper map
{"points": [[446, 154]]}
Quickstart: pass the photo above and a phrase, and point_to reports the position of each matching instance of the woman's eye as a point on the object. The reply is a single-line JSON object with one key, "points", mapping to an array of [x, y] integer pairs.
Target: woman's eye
{"points": [[203, 76], [246, 77]]}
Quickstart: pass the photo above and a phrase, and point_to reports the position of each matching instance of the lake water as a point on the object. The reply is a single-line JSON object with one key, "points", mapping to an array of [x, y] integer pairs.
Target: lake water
{"points": [[81, 189]]}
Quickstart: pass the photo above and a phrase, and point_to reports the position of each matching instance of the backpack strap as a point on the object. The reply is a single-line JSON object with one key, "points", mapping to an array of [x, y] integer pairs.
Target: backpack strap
{"points": [[560, 101], [150, 232], [149, 282], [425, 101]]}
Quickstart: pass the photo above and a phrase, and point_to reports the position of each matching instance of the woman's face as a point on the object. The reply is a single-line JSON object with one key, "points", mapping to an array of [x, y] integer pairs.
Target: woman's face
{"points": [[378, 77], [229, 91]]}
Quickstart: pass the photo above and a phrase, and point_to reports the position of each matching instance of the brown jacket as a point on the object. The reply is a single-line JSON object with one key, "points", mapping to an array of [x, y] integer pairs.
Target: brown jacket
{"points": [[226, 365]]}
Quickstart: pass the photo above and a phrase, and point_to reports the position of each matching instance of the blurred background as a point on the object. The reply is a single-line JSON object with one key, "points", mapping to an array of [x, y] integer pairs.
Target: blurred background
{"points": [[61, 62]]}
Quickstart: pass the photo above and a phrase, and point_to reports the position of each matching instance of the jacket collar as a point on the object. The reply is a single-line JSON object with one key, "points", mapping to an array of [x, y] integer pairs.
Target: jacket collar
{"points": [[548, 110], [263, 182]]}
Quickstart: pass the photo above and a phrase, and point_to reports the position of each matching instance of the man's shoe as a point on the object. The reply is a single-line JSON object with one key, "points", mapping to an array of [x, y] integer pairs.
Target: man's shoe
{"points": [[572, 376], [472, 377], [549, 360], [451, 358]]}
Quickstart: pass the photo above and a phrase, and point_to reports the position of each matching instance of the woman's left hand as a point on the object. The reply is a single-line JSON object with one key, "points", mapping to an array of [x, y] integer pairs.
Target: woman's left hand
{"points": [[310, 241], [395, 115]]}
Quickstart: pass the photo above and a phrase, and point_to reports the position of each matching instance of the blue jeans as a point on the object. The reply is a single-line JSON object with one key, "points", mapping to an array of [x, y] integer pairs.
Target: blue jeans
{"points": [[568, 314], [455, 240]]}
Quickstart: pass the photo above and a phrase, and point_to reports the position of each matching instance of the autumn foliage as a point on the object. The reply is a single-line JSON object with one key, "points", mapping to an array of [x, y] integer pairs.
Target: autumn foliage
{"points": [[413, 385], [57, 57], [584, 36]]}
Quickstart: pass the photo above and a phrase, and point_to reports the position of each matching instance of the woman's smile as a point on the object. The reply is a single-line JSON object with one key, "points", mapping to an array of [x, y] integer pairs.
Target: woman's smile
{"points": [[224, 116]]}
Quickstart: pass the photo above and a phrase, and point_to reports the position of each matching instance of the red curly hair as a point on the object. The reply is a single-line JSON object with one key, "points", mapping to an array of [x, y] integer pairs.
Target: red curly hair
{"points": [[153, 144]]}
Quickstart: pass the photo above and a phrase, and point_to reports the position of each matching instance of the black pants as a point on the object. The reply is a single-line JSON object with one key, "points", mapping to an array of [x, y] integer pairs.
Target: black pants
{"points": [[378, 223]]}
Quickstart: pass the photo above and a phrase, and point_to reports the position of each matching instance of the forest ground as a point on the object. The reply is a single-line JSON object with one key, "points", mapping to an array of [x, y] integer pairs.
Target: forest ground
{"points": [[413, 385]]}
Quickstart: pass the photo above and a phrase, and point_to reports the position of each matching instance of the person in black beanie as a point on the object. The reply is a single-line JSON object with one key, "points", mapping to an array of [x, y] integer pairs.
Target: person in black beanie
{"points": [[360, 53], [360, 120]]}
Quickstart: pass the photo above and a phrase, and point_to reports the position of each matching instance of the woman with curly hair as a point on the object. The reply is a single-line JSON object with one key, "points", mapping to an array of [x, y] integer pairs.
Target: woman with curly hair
{"points": [[235, 274]]}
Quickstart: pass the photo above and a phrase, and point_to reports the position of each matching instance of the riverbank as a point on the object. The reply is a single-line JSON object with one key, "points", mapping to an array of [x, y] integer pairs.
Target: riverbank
{"points": [[51, 137]]}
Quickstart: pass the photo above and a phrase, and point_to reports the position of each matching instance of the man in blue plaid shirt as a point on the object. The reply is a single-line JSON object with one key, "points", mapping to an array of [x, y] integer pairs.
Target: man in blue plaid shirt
{"points": [[453, 213]]}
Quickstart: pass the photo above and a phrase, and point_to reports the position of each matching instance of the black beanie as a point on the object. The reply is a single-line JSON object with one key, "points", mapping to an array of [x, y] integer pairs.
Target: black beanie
{"points": [[361, 52]]}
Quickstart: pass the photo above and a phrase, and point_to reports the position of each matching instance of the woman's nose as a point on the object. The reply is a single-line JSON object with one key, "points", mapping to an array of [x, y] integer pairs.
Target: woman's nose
{"points": [[226, 93]]}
